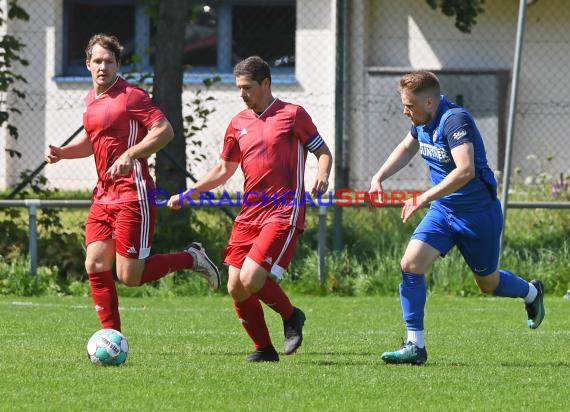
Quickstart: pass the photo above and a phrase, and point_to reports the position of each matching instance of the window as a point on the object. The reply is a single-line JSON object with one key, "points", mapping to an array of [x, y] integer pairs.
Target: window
{"points": [[83, 18], [218, 33]]}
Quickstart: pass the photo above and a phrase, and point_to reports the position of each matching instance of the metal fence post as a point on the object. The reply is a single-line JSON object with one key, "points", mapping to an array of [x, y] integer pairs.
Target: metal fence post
{"points": [[322, 246], [32, 205]]}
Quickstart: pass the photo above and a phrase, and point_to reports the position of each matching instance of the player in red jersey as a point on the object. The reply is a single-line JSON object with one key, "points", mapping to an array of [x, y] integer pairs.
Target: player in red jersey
{"points": [[270, 139], [123, 127]]}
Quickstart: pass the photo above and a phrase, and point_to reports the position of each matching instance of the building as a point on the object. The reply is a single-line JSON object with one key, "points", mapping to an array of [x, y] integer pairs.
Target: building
{"points": [[383, 39]]}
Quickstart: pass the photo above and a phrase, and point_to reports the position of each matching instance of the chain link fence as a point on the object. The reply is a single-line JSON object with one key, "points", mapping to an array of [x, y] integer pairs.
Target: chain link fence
{"points": [[387, 39], [381, 40]]}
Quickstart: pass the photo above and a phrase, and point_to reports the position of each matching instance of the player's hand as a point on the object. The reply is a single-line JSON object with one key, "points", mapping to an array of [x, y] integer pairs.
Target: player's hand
{"points": [[122, 166], [374, 193], [411, 205], [52, 154], [321, 185], [174, 202]]}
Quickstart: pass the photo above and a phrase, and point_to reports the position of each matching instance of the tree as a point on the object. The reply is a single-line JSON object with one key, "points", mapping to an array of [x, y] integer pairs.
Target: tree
{"points": [[167, 87], [465, 11], [171, 19], [10, 49]]}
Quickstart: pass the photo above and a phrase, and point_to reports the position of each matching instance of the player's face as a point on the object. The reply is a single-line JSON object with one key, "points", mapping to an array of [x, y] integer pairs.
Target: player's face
{"points": [[418, 107], [254, 95], [103, 67]]}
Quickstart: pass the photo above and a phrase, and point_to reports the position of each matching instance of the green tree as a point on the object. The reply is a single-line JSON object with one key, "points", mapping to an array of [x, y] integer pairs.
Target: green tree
{"points": [[10, 57], [465, 11]]}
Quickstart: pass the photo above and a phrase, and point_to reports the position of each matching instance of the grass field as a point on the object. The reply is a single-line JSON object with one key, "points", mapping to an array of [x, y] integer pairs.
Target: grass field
{"points": [[188, 354]]}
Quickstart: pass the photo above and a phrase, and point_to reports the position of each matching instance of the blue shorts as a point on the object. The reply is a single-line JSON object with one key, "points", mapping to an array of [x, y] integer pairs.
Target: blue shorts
{"points": [[477, 234]]}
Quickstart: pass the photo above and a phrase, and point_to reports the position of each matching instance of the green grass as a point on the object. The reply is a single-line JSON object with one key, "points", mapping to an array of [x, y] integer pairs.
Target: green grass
{"points": [[188, 354]]}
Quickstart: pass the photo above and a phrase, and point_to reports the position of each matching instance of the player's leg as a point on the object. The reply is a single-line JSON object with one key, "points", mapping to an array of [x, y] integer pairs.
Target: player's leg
{"points": [[479, 244], [246, 303], [431, 239], [98, 264], [273, 250], [134, 229], [250, 313]]}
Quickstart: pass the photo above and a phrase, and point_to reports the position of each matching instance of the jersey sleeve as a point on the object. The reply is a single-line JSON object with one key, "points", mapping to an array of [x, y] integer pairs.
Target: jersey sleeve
{"points": [[414, 132], [142, 108], [231, 151], [306, 131], [458, 129]]}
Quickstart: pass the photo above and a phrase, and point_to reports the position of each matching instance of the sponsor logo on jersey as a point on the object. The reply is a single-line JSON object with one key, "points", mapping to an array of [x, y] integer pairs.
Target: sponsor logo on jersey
{"points": [[243, 132], [434, 152], [459, 134]]}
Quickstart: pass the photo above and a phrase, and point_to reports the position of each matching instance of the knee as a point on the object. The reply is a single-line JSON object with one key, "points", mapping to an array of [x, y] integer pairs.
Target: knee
{"points": [[128, 277], [237, 291], [129, 281], [94, 265], [253, 282], [407, 265], [487, 284], [485, 288]]}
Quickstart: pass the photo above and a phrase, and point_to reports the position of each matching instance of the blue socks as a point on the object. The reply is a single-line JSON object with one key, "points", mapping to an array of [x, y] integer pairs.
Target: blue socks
{"points": [[413, 300], [510, 285]]}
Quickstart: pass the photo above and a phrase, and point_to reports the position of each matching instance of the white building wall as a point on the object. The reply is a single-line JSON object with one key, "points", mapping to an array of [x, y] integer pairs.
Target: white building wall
{"points": [[54, 106], [314, 88], [409, 35], [383, 33]]}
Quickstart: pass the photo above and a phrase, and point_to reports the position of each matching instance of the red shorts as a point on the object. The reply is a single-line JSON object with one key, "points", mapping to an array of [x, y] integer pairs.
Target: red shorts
{"points": [[131, 224], [271, 246]]}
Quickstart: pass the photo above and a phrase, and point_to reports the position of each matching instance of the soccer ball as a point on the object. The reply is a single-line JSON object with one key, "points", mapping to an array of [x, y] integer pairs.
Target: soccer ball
{"points": [[108, 347]]}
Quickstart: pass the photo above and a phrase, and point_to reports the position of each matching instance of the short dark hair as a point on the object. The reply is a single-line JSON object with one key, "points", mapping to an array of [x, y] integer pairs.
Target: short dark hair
{"points": [[420, 82], [254, 67], [106, 41]]}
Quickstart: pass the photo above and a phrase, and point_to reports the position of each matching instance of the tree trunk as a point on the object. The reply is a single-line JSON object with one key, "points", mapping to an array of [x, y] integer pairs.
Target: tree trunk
{"points": [[167, 93], [167, 89]]}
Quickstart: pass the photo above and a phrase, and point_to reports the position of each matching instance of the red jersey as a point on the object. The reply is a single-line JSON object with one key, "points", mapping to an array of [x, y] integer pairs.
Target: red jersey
{"points": [[272, 149], [114, 121]]}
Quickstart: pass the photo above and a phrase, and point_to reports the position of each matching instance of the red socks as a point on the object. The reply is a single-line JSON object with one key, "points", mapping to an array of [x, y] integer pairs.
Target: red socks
{"points": [[104, 291], [104, 294], [158, 266], [273, 296], [250, 314]]}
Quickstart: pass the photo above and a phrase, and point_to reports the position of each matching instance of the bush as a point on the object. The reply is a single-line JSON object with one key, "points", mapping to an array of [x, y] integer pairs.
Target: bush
{"points": [[536, 245], [16, 279]]}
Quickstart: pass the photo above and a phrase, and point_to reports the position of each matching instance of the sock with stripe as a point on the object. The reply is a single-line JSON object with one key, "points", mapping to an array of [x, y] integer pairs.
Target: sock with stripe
{"points": [[413, 300], [513, 286], [158, 266], [104, 294], [250, 314], [274, 296]]}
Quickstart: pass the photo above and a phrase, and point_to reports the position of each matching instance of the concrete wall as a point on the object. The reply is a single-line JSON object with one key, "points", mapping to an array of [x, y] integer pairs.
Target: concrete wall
{"points": [[54, 105], [384, 36]]}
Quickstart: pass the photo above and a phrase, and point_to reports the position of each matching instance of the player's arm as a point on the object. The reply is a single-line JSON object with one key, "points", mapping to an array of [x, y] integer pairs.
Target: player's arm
{"points": [[158, 136], [458, 129], [463, 156], [399, 158], [324, 164], [217, 175], [464, 159], [81, 148]]}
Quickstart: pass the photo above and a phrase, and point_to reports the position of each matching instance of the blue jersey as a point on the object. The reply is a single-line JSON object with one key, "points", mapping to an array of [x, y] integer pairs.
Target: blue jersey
{"points": [[452, 126]]}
